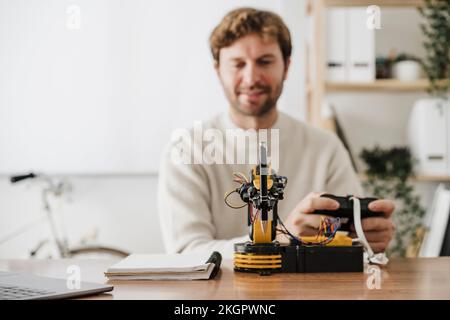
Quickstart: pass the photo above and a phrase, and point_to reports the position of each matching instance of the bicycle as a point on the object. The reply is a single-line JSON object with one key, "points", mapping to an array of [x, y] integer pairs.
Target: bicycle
{"points": [[58, 189]]}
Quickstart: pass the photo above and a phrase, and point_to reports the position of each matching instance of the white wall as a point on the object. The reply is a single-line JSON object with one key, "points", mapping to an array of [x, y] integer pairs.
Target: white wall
{"points": [[96, 97]]}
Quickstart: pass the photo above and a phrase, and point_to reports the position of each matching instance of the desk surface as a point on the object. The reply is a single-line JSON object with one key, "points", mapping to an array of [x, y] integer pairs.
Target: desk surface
{"points": [[401, 279]]}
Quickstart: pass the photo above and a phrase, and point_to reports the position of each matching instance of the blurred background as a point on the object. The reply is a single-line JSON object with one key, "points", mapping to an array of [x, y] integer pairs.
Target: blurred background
{"points": [[91, 90]]}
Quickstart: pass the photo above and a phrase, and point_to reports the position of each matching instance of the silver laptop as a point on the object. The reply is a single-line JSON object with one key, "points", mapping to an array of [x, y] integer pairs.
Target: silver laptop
{"points": [[20, 286]]}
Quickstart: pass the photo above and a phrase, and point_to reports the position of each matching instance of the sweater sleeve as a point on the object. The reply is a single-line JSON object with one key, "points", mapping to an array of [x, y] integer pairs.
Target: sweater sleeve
{"points": [[185, 210], [342, 179]]}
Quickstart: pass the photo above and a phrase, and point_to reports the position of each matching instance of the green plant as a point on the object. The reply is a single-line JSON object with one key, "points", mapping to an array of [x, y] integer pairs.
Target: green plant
{"points": [[388, 176], [436, 29]]}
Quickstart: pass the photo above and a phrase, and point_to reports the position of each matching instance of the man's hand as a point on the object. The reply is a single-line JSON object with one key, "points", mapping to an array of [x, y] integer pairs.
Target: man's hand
{"points": [[378, 230]]}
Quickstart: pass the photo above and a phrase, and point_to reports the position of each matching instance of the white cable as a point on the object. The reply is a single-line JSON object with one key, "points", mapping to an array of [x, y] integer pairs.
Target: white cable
{"points": [[379, 258]]}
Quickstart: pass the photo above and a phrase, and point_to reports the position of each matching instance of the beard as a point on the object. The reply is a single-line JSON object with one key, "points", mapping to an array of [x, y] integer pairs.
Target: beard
{"points": [[260, 109]]}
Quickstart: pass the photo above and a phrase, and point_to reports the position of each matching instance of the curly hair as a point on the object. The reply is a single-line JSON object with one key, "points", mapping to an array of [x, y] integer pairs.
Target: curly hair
{"points": [[243, 21]]}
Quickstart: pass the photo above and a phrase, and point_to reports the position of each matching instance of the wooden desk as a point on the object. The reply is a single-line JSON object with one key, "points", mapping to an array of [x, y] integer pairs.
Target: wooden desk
{"points": [[401, 279]]}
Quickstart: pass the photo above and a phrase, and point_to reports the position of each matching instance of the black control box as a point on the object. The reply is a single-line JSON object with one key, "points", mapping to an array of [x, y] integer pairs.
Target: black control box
{"points": [[302, 258]]}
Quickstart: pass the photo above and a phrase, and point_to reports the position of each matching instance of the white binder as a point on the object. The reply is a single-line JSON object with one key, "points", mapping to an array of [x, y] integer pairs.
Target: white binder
{"points": [[336, 44], [361, 41]]}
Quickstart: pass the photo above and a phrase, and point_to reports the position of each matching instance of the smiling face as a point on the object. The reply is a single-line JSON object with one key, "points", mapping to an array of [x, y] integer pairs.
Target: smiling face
{"points": [[252, 71]]}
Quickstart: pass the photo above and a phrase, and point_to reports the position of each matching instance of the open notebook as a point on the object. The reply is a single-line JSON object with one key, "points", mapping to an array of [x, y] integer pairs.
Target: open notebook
{"points": [[166, 267]]}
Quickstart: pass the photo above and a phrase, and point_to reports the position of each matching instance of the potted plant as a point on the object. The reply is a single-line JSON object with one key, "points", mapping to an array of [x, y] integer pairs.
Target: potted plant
{"points": [[406, 67], [436, 63]]}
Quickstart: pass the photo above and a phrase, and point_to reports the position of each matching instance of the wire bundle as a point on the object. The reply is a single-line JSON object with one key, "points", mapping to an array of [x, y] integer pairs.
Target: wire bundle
{"points": [[241, 179], [328, 229], [328, 226]]}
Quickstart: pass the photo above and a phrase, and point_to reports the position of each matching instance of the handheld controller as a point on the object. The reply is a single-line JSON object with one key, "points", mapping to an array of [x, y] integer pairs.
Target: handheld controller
{"points": [[345, 210]]}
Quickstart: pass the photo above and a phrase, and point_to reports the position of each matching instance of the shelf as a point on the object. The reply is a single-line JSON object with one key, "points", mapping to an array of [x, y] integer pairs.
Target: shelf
{"points": [[419, 178], [433, 178], [318, 88], [381, 3], [378, 85]]}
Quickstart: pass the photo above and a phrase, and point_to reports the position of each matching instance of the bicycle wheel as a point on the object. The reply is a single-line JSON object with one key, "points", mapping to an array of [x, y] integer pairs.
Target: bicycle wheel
{"points": [[96, 252]]}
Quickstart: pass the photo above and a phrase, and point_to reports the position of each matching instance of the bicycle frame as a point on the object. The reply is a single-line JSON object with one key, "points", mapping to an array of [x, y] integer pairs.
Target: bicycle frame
{"points": [[55, 189]]}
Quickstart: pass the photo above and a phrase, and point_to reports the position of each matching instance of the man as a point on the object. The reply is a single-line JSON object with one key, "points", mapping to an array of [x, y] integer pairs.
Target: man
{"points": [[252, 54]]}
